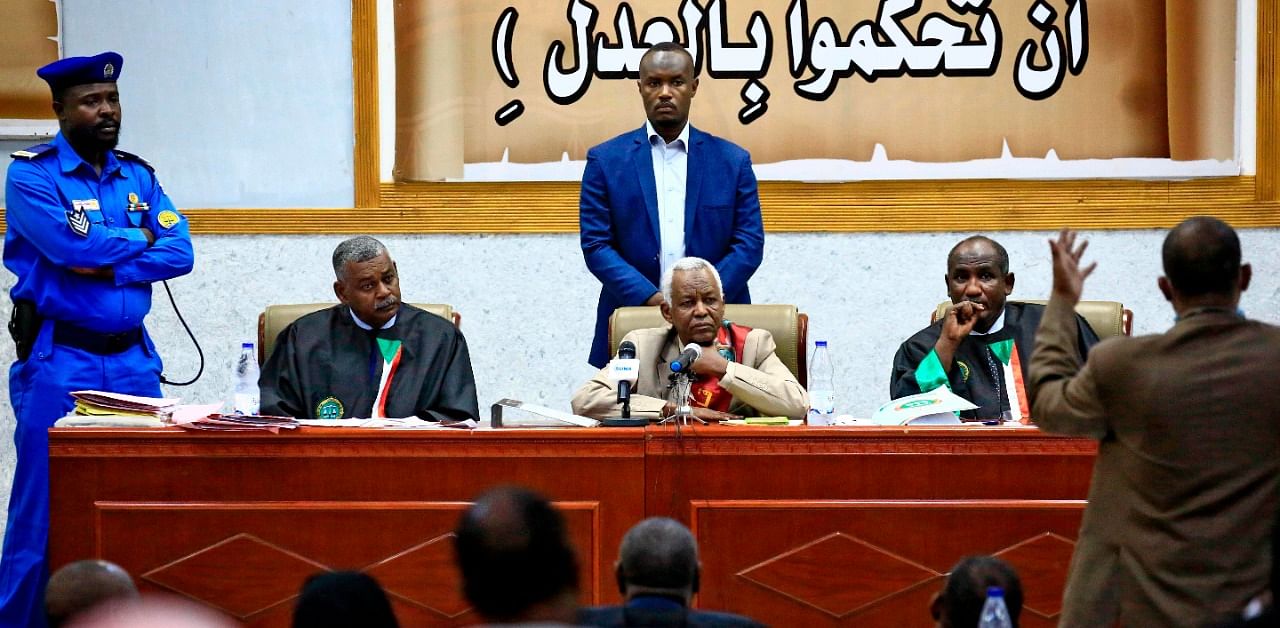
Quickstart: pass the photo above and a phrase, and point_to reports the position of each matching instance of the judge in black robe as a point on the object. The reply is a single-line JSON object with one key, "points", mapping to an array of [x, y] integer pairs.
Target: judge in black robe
{"points": [[977, 372], [325, 366], [981, 349], [371, 356]]}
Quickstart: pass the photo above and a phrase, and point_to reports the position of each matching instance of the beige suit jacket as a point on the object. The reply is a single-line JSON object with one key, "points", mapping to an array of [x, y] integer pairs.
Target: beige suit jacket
{"points": [[761, 384], [1177, 531]]}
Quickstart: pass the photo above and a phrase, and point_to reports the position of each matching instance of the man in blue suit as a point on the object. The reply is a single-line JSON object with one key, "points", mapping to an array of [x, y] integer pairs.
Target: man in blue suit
{"points": [[663, 192]]}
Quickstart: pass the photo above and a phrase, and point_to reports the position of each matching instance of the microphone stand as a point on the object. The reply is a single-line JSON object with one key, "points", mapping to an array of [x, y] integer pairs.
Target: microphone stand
{"points": [[679, 395]]}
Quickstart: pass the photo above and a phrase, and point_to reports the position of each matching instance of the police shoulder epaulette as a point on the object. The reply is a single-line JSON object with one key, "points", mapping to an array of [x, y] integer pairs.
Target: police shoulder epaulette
{"points": [[127, 156], [32, 152]]}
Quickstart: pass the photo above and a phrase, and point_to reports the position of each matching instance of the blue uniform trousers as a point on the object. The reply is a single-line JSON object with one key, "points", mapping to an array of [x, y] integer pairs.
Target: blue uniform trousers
{"points": [[39, 390]]}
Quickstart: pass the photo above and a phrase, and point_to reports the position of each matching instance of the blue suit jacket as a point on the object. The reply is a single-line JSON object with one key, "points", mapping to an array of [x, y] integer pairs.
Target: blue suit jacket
{"points": [[618, 219]]}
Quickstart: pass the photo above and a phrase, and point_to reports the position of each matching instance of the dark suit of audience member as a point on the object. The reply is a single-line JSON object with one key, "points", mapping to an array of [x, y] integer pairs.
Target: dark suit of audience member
{"points": [[342, 599], [1178, 527], [959, 604], [657, 574], [516, 562]]}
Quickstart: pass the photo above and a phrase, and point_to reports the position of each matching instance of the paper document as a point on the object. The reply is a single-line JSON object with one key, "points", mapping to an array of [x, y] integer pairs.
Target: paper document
{"points": [[936, 407]]}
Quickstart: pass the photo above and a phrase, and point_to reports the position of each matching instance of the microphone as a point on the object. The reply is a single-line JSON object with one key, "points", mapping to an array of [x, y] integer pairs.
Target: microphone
{"points": [[625, 370], [692, 351]]}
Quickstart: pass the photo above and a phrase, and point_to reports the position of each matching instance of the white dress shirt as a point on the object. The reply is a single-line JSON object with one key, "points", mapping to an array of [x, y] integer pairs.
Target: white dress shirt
{"points": [[670, 170]]}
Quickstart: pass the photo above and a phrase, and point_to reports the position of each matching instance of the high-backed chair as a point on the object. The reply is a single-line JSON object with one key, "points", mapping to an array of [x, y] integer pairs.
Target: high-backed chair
{"points": [[275, 318], [790, 328], [1107, 318]]}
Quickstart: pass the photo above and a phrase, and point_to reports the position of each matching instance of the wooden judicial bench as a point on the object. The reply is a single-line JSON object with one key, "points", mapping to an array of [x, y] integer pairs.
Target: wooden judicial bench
{"points": [[796, 526]]}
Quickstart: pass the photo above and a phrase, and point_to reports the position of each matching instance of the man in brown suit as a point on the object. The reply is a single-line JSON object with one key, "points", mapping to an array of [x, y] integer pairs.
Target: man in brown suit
{"points": [[738, 374], [1178, 527]]}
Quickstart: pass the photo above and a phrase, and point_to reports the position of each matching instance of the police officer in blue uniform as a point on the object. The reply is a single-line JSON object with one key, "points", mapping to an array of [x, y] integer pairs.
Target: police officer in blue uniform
{"points": [[88, 230]]}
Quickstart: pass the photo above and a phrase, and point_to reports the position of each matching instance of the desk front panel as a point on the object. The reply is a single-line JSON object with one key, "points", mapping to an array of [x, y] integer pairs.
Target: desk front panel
{"points": [[796, 526], [858, 527], [238, 521]]}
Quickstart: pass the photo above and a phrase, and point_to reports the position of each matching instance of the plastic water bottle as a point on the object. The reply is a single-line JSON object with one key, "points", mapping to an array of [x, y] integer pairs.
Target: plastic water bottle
{"points": [[822, 386], [994, 613], [244, 397]]}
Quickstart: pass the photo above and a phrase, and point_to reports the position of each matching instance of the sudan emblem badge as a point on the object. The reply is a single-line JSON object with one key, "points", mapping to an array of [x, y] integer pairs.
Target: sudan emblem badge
{"points": [[168, 218], [329, 408]]}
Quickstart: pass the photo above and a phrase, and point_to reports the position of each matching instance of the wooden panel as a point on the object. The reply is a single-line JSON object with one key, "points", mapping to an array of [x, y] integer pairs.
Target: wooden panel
{"points": [[1268, 105], [250, 559], [148, 498], [237, 520], [364, 83], [859, 563]]}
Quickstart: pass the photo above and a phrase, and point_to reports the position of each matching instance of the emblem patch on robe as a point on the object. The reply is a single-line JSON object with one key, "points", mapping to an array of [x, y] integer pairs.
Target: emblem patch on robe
{"points": [[964, 371], [168, 219], [78, 221], [329, 408]]}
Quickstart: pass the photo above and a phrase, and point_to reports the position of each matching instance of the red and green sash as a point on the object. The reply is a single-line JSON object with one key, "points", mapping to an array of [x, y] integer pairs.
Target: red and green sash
{"points": [[707, 391], [391, 351]]}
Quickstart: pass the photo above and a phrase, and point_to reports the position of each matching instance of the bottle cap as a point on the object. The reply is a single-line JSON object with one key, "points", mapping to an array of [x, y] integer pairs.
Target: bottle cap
{"points": [[820, 343], [995, 592], [246, 345]]}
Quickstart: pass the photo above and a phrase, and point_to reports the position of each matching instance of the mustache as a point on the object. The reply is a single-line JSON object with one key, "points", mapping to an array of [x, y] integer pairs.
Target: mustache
{"points": [[386, 303]]}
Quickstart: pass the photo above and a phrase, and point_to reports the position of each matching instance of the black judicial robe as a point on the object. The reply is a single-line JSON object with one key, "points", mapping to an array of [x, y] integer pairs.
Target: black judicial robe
{"points": [[324, 366], [976, 371]]}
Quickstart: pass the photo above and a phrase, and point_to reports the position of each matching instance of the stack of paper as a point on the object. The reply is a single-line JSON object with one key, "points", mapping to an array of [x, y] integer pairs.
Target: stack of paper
{"points": [[98, 403], [218, 422]]}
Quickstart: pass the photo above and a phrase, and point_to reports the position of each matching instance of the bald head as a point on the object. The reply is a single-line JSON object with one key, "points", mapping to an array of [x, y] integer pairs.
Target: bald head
{"points": [[1202, 257], [515, 557], [658, 555], [81, 585], [978, 247]]}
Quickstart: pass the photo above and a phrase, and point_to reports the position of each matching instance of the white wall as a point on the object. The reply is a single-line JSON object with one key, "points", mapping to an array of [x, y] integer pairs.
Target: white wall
{"points": [[237, 103]]}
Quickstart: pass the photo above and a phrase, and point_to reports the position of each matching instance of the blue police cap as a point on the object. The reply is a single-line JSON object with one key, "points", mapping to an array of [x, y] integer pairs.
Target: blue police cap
{"points": [[100, 68]]}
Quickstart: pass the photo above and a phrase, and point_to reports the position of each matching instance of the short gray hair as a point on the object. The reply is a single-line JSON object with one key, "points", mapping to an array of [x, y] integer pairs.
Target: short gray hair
{"points": [[358, 249], [659, 553], [686, 264]]}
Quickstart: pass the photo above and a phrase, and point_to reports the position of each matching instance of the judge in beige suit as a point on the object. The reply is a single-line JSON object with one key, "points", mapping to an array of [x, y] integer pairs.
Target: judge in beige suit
{"points": [[1177, 531], [739, 373]]}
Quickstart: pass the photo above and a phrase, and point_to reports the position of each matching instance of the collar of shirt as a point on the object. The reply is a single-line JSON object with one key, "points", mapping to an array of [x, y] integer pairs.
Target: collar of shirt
{"points": [[995, 327], [366, 326], [681, 142], [69, 159]]}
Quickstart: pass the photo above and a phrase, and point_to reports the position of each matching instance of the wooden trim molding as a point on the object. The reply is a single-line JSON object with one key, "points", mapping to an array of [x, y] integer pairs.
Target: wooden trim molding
{"points": [[364, 74], [871, 206], [931, 205], [1268, 121]]}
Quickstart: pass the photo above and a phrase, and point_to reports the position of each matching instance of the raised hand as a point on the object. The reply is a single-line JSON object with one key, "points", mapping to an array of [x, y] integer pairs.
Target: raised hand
{"points": [[1068, 276]]}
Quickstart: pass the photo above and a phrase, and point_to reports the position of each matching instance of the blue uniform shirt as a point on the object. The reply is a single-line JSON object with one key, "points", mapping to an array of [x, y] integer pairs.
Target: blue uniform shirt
{"points": [[41, 246]]}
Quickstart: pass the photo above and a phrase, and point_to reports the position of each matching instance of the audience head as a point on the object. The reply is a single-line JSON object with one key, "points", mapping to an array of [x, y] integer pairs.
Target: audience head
{"points": [[367, 280], [82, 585], [152, 611], [693, 300], [978, 271], [959, 604], [658, 556], [515, 558], [339, 599], [1202, 265], [668, 82]]}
